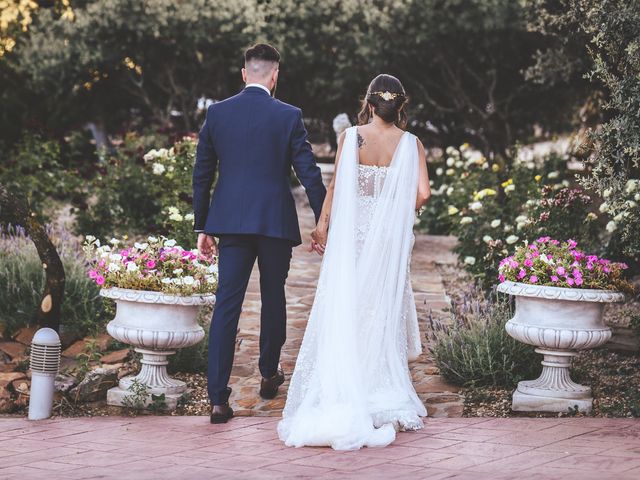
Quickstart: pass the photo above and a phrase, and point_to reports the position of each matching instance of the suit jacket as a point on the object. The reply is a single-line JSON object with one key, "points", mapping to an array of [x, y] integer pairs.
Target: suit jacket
{"points": [[253, 140]]}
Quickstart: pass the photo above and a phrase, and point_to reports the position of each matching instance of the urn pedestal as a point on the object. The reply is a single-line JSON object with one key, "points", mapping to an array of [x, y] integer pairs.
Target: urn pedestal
{"points": [[156, 324], [559, 321]]}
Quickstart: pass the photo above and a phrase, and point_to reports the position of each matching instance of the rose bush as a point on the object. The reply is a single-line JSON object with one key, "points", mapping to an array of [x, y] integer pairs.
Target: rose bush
{"points": [[158, 264]]}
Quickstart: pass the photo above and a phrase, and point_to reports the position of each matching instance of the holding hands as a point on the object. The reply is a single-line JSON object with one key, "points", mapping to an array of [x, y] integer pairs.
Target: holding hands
{"points": [[318, 240]]}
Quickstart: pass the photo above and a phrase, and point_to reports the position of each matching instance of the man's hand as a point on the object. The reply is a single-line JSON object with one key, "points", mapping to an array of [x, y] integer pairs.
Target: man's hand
{"points": [[207, 245]]}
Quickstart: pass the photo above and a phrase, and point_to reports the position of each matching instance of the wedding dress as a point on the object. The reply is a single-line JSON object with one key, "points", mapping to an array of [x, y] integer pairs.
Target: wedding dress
{"points": [[351, 386]]}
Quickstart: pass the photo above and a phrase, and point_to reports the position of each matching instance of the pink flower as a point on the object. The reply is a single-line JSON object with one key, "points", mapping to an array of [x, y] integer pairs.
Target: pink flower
{"points": [[513, 264], [554, 279], [151, 264], [576, 272], [578, 280], [533, 246], [100, 280], [554, 242], [528, 262], [101, 263], [570, 281], [522, 273], [533, 279], [543, 239], [501, 277], [93, 274], [572, 244], [561, 271]]}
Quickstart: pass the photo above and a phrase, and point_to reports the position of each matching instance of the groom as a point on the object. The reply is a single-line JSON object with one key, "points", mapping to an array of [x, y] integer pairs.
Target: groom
{"points": [[253, 140]]}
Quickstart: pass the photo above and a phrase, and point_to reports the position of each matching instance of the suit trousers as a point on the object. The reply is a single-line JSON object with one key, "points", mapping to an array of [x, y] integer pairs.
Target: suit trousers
{"points": [[237, 256]]}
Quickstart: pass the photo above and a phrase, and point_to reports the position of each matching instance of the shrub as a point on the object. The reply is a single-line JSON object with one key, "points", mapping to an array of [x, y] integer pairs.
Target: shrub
{"points": [[22, 283], [475, 350], [194, 359], [490, 207]]}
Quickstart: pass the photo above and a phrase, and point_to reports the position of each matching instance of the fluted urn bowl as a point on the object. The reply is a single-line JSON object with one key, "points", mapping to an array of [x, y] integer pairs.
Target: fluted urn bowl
{"points": [[558, 321], [156, 324]]}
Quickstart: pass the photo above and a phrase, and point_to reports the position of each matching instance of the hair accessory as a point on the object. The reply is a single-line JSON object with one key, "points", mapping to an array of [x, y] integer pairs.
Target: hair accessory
{"points": [[387, 95]]}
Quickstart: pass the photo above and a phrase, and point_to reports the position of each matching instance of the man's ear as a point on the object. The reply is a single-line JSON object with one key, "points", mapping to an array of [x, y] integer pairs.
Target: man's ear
{"points": [[244, 75], [275, 76]]}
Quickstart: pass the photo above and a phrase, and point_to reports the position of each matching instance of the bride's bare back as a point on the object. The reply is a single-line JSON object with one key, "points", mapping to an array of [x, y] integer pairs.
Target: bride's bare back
{"points": [[376, 144]]}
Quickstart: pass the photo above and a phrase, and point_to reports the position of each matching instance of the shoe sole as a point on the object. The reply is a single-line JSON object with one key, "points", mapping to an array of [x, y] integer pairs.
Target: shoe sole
{"points": [[270, 395], [219, 419]]}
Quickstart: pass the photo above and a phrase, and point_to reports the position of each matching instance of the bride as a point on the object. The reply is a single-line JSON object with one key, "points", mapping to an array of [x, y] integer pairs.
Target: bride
{"points": [[351, 386]]}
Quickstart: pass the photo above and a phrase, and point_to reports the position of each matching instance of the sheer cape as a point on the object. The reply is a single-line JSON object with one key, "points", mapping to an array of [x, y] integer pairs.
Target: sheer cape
{"points": [[351, 386]]}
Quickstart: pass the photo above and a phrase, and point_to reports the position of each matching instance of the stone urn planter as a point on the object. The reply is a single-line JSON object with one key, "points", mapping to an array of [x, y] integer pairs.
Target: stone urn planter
{"points": [[559, 321], [156, 324]]}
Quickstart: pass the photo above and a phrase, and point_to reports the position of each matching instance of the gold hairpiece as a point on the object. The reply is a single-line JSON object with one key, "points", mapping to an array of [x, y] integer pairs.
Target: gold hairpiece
{"points": [[387, 95]]}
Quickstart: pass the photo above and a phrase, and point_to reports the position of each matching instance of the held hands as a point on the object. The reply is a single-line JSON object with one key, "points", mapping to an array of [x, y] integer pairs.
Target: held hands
{"points": [[318, 241], [207, 245]]}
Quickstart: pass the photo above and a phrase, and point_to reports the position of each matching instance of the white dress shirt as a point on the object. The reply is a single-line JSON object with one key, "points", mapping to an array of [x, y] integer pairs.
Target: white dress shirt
{"points": [[259, 86]]}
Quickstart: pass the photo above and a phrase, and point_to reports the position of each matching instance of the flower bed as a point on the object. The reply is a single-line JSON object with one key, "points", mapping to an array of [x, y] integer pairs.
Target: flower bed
{"points": [[157, 265]]}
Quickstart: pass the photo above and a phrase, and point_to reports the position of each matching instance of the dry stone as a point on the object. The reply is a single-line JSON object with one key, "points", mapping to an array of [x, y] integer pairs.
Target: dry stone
{"points": [[94, 385]]}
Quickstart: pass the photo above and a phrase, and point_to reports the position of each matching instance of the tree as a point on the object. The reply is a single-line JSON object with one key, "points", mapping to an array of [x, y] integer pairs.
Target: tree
{"points": [[15, 211], [610, 58]]}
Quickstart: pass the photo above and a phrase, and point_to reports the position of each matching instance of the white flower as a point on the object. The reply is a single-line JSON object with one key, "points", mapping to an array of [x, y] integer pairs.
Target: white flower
{"points": [[530, 165], [114, 267], [451, 162], [632, 185], [475, 206], [132, 267], [465, 220], [114, 241], [170, 243], [611, 226], [606, 193], [509, 188], [439, 171], [141, 246], [166, 281], [631, 204], [511, 239], [636, 197], [150, 155], [176, 217], [115, 257], [452, 210], [178, 271], [450, 150], [188, 280], [176, 281], [210, 279], [158, 168], [470, 260], [189, 217], [487, 239], [341, 123], [565, 183], [604, 207], [163, 152], [546, 259], [213, 268], [485, 166], [450, 171], [495, 223], [553, 175], [618, 217], [459, 164], [172, 210], [152, 239], [449, 191]]}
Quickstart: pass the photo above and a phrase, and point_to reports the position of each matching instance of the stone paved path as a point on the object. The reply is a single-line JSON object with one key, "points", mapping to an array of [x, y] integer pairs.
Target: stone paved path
{"points": [[161, 448], [441, 399]]}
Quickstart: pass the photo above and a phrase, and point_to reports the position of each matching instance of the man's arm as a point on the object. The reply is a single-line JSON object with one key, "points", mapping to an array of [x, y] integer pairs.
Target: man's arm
{"points": [[203, 174], [305, 167]]}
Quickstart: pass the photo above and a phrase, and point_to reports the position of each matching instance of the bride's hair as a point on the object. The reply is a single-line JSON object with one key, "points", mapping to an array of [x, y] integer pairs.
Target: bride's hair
{"points": [[387, 97]]}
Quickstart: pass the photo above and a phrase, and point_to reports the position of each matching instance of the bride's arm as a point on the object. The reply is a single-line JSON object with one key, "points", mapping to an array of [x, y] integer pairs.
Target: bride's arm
{"points": [[424, 190], [319, 235]]}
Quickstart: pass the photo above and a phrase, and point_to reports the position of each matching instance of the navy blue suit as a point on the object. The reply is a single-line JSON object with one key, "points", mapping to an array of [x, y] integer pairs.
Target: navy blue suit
{"points": [[253, 140]]}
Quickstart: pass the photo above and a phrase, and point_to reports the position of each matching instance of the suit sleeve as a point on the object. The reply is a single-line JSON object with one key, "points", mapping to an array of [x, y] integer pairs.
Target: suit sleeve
{"points": [[204, 172], [304, 165]]}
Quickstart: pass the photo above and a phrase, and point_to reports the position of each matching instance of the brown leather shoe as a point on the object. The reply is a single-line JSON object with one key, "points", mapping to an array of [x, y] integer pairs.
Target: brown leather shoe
{"points": [[269, 386], [221, 413]]}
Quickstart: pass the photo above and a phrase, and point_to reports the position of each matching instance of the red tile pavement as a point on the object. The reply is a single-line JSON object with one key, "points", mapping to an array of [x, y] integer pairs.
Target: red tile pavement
{"points": [[161, 448]]}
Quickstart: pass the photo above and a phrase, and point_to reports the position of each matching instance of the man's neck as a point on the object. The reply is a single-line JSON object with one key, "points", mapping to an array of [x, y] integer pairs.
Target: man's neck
{"points": [[258, 85]]}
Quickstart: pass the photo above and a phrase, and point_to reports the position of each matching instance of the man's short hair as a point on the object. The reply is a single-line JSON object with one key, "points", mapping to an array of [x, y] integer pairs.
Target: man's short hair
{"points": [[263, 52]]}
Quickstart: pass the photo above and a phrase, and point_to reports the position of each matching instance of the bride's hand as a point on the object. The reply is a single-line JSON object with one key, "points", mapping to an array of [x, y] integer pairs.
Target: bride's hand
{"points": [[318, 240]]}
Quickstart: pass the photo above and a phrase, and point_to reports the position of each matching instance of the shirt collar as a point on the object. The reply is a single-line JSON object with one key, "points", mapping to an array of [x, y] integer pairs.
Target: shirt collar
{"points": [[259, 86]]}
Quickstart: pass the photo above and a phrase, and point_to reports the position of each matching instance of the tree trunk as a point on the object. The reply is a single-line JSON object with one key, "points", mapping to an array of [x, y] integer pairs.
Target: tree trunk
{"points": [[14, 210]]}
